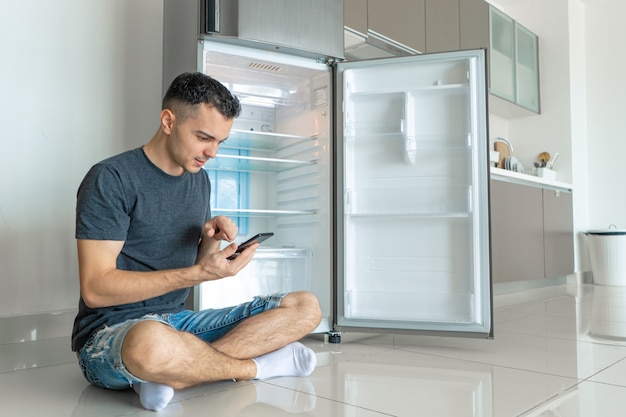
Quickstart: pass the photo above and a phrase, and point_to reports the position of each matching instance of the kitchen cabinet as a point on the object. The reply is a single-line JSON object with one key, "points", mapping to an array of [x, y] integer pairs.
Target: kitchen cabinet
{"points": [[502, 55], [355, 15], [516, 232], [442, 25], [558, 233], [531, 232], [474, 24], [514, 67], [400, 20], [526, 68]]}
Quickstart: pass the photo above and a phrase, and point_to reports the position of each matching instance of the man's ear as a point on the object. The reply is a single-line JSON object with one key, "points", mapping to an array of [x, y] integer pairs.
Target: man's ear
{"points": [[167, 121]]}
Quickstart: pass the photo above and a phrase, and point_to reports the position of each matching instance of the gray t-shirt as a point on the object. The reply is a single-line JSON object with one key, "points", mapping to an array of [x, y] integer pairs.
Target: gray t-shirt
{"points": [[159, 217]]}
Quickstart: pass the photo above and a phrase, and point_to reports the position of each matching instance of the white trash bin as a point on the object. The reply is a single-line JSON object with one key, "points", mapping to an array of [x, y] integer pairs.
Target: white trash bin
{"points": [[607, 251]]}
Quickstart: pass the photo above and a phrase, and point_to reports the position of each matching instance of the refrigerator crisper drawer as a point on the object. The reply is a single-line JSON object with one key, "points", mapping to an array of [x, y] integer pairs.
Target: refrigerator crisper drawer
{"points": [[272, 270]]}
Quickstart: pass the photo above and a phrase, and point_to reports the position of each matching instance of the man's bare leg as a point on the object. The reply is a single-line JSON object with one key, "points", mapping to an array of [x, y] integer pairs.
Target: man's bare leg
{"points": [[155, 352], [298, 315]]}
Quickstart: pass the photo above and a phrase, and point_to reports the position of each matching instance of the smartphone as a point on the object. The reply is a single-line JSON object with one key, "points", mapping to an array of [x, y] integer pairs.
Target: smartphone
{"points": [[260, 237]]}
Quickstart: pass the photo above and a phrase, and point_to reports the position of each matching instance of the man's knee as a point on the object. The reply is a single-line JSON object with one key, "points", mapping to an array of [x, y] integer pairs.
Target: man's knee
{"points": [[307, 305], [145, 347]]}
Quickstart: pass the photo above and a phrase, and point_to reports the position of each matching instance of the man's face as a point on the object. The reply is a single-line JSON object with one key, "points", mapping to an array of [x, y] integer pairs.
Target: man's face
{"points": [[194, 141]]}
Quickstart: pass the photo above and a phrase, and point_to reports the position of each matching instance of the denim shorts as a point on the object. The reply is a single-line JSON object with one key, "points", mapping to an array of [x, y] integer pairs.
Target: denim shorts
{"points": [[100, 359]]}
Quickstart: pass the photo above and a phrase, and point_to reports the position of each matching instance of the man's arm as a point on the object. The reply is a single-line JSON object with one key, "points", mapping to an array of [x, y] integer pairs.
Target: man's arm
{"points": [[103, 285]]}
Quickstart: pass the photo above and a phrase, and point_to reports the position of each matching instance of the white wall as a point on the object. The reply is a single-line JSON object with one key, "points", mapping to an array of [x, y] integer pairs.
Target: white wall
{"points": [[606, 111], [80, 81], [578, 105]]}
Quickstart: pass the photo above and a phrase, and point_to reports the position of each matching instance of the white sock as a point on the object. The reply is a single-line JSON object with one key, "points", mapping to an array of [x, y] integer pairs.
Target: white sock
{"points": [[294, 359], [153, 396]]}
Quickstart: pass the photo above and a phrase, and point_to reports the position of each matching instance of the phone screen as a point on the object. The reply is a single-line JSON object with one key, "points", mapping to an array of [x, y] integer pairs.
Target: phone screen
{"points": [[259, 237]]}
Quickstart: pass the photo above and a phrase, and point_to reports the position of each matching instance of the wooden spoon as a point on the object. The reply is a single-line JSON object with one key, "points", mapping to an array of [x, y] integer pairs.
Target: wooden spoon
{"points": [[543, 157]]}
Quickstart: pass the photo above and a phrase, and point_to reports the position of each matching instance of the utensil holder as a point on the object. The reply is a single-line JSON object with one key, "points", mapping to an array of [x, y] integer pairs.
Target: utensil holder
{"points": [[546, 173]]}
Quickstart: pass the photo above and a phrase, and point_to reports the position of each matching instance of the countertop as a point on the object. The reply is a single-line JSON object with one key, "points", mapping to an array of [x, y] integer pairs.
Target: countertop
{"points": [[519, 178]]}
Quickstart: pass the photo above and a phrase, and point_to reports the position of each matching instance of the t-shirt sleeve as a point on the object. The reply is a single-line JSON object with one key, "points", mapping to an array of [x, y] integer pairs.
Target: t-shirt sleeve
{"points": [[102, 211]]}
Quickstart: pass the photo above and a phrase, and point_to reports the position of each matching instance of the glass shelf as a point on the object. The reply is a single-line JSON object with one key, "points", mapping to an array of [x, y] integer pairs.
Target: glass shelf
{"points": [[254, 164], [260, 213], [249, 139]]}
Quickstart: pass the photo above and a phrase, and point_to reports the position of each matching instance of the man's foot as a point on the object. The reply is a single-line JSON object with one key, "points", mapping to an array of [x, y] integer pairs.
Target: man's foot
{"points": [[153, 396], [294, 359]]}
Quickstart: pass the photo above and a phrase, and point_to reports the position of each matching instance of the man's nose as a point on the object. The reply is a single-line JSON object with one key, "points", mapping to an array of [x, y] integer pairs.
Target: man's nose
{"points": [[211, 150]]}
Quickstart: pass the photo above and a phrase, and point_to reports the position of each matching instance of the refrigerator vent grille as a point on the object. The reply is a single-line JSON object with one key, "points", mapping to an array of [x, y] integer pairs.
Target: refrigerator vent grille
{"points": [[265, 67]]}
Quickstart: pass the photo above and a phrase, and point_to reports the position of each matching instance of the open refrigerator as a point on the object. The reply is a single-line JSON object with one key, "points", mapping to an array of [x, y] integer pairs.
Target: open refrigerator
{"points": [[372, 175]]}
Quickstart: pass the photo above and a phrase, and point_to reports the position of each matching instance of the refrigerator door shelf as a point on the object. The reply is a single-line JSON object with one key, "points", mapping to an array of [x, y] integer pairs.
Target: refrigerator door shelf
{"points": [[407, 306], [395, 106], [410, 200]]}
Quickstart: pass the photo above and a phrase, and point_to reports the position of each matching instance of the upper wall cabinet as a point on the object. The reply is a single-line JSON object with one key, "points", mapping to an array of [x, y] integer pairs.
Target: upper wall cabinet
{"points": [[527, 68], [383, 28], [502, 55], [355, 15], [443, 25], [514, 68], [400, 20]]}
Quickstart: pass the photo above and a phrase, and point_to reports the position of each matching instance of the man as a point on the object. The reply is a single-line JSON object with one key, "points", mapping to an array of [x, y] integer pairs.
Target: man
{"points": [[145, 236]]}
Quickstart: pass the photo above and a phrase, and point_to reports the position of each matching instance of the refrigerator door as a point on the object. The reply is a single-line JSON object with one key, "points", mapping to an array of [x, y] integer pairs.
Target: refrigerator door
{"points": [[413, 196]]}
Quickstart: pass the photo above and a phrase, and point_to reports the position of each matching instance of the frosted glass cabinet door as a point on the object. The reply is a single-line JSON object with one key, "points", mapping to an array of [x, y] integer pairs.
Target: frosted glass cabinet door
{"points": [[527, 68], [502, 55], [412, 222]]}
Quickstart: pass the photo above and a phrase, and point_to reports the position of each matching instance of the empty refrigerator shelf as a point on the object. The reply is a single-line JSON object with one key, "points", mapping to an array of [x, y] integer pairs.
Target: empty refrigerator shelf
{"points": [[254, 164], [260, 213], [248, 139]]}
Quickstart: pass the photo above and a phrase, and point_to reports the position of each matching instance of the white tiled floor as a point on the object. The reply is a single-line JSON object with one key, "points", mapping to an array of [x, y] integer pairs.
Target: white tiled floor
{"points": [[558, 351]]}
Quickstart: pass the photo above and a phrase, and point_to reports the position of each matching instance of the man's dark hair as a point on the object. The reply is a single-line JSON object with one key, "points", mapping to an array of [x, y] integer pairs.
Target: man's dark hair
{"points": [[188, 90]]}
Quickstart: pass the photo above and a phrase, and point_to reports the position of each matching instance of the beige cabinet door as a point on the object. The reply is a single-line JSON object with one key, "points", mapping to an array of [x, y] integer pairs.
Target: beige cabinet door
{"points": [[400, 20], [558, 233], [355, 15], [442, 26], [474, 23], [516, 232]]}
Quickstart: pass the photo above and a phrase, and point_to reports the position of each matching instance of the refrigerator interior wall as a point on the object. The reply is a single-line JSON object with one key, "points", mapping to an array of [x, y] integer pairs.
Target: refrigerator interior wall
{"points": [[415, 215], [273, 173]]}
